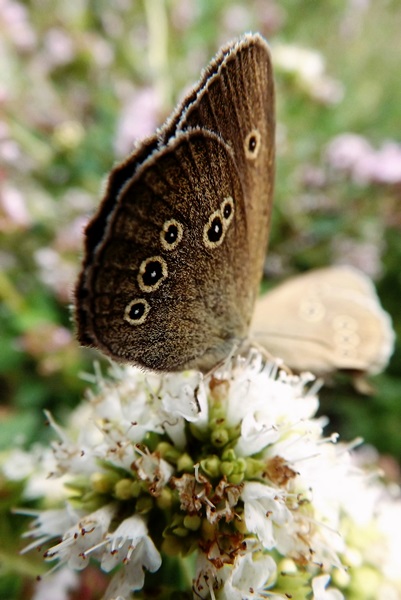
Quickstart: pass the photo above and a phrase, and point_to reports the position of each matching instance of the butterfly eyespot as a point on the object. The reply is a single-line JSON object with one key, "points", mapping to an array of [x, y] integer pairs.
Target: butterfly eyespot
{"points": [[227, 210], [252, 144], [344, 322], [152, 273], [214, 230], [171, 234], [347, 340], [136, 311], [346, 352], [312, 311]]}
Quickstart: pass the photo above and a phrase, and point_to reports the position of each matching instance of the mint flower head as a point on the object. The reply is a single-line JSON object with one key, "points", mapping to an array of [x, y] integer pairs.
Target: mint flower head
{"points": [[222, 486]]}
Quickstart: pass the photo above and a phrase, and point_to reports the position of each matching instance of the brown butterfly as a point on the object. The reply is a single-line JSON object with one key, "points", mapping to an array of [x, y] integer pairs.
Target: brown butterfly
{"points": [[174, 256]]}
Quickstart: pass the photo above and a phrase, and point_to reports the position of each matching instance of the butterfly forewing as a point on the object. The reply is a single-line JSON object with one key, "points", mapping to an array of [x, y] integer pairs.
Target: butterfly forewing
{"points": [[236, 101]]}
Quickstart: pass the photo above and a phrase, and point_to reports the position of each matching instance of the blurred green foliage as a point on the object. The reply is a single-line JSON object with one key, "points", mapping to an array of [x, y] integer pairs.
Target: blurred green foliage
{"points": [[81, 81]]}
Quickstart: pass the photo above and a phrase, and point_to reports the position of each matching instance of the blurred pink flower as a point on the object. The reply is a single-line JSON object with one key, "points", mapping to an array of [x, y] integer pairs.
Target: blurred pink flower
{"points": [[13, 210], [312, 176], [69, 237], [387, 164], [46, 338], [237, 19], [10, 152], [15, 26], [347, 150], [183, 14], [56, 272], [138, 119], [100, 49], [271, 16], [354, 155], [364, 255], [59, 47]]}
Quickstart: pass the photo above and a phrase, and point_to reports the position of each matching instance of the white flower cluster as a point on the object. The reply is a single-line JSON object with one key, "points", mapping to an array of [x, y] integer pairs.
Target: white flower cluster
{"points": [[232, 469], [308, 69]]}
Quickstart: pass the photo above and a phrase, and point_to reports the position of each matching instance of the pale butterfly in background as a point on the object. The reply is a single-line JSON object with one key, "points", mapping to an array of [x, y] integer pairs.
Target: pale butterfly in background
{"points": [[326, 320]]}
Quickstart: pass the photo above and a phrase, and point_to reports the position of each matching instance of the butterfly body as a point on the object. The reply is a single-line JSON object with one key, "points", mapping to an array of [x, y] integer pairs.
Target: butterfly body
{"points": [[174, 255]]}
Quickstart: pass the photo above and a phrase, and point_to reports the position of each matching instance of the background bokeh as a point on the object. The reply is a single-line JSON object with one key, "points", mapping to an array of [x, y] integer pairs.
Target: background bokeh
{"points": [[81, 81]]}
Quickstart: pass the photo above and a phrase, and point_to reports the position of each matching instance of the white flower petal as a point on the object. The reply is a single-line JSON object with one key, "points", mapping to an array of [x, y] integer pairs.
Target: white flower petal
{"points": [[83, 538], [250, 576], [265, 510], [130, 543], [130, 546], [319, 585], [255, 436], [58, 585]]}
